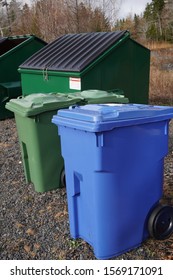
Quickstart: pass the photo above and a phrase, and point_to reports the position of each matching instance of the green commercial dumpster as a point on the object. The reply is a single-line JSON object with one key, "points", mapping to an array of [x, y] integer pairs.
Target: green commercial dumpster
{"points": [[13, 51], [40, 146], [98, 60]]}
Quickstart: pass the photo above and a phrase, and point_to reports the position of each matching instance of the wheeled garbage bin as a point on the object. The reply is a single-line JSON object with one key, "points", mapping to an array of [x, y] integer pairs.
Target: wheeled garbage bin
{"points": [[40, 147], [114, 174]]}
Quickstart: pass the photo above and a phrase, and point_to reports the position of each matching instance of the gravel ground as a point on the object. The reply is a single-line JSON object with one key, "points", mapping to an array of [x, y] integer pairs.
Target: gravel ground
{"points": [[35, 226]]}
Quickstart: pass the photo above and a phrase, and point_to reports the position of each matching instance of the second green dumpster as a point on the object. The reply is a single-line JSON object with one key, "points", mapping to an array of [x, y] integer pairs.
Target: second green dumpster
{"points": [[40, 146], [13, 51]]}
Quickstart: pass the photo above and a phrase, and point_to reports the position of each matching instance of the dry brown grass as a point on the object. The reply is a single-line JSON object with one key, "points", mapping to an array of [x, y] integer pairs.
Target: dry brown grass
{"points": [[158, 45], [161, 86], [161, 77]]}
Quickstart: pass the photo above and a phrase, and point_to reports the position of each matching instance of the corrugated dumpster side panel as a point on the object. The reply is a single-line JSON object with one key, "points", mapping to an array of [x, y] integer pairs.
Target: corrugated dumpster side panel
{"points": [[141, 81], [128, 66]]}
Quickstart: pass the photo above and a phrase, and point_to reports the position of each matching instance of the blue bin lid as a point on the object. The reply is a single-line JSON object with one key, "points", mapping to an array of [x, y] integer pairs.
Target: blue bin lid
{"points": [[101, 117]]}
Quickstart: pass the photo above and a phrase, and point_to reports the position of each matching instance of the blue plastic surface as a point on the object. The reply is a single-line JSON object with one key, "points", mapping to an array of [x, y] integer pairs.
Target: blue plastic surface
{"points": [[114, 178], [101, 117]]}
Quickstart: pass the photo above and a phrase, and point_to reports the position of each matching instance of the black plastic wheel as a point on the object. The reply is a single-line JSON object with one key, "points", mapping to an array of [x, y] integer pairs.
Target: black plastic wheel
{"points": [[63, 181], [160, 224]]}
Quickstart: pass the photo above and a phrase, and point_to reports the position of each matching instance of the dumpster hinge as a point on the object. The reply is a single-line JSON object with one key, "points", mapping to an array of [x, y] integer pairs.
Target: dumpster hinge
{"points": [[45, 74]]}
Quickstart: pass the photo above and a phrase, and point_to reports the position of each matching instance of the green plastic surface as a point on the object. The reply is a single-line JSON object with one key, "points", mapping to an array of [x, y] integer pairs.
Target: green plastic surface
{"points": [[38, 103], [39, 142], [101, 96]]}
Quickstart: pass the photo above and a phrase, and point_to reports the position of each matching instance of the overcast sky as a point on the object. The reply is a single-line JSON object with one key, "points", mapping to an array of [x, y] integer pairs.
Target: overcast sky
{"points": [[132, 7]]}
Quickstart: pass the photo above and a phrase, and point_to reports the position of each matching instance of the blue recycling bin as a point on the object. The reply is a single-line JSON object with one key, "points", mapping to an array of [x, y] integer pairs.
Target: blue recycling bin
{"points": [[114, 172]]}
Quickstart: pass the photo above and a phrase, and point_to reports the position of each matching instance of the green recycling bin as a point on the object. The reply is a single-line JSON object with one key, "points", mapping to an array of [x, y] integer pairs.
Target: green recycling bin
{"points": [[40, 146]]}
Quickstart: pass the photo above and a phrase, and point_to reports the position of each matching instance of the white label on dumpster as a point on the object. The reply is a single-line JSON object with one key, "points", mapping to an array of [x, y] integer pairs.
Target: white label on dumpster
{"points": [[75, 83]]}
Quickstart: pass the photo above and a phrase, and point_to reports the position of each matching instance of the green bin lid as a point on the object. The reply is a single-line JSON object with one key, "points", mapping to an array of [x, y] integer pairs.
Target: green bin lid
{"points": [[38, 103], [101, 96]]}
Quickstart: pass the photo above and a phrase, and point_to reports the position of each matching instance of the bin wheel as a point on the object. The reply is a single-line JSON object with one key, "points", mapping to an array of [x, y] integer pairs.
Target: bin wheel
{"points": [[63, 181], [160, 224]]}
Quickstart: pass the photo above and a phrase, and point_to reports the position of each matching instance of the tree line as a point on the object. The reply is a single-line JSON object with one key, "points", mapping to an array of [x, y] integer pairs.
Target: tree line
{"points": [[49, 19], [155, 24]]}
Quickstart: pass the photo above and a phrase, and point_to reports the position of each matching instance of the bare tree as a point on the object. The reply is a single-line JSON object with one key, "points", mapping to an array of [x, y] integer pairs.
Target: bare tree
{"points": [[5, 4], [109, 8], [49, 19]]}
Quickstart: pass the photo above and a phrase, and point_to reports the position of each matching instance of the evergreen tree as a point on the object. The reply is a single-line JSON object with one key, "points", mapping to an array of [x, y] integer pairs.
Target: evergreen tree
{"points": [[153, 14]]}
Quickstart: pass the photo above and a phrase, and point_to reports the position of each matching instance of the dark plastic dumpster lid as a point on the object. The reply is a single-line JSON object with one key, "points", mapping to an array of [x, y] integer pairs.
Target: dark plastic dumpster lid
{"points": [[2, 39], [100, 117], [73, 52], [9, 44], [38, 103]]}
